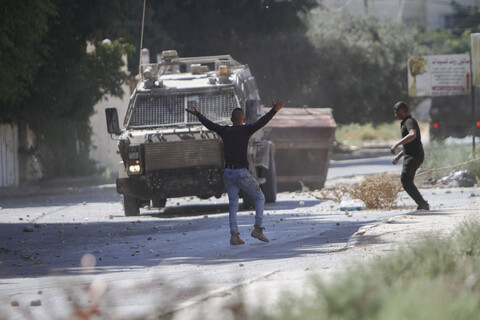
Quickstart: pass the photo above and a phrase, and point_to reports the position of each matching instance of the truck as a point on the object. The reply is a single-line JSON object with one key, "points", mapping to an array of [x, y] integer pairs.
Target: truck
{"points": [[452, 116], [165, 151]]}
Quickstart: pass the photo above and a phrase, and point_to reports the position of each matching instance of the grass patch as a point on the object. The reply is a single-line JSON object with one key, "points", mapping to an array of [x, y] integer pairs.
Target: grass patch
{"points": [[356, 134], [437, 278], [439, 154]]}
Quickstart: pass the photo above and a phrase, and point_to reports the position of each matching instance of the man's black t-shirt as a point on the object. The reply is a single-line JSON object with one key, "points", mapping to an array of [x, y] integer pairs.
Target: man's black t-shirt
{"points": [[235, 138], [414, 148]]}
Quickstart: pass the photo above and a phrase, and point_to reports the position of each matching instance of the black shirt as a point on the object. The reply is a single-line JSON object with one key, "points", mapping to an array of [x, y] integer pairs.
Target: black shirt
{"points": [[235, 138], [415, 147]]}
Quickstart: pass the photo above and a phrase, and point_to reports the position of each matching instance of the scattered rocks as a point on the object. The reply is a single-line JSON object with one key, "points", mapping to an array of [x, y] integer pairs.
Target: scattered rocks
{"points": [[28, 229], [36, 303], [430, 181], [459, 178]]}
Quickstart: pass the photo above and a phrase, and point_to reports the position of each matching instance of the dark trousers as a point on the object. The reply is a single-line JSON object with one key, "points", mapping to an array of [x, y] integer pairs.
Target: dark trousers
{"points": [[410, 166]]}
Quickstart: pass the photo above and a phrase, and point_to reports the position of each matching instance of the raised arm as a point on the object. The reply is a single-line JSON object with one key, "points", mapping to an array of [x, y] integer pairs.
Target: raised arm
{"points": [[276, 106], [207, 123], [193, 111]]}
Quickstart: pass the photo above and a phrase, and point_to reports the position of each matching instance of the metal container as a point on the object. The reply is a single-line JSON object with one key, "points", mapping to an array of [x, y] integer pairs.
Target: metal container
{"points": [[303, 139]]}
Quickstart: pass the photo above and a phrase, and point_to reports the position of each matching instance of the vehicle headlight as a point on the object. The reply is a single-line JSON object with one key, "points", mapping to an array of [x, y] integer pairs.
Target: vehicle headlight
{"points": [[134, 167], [134, 161]]}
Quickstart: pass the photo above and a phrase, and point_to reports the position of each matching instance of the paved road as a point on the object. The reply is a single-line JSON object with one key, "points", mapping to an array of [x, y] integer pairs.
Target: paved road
{"points": [[63, 249], [364, 166]]}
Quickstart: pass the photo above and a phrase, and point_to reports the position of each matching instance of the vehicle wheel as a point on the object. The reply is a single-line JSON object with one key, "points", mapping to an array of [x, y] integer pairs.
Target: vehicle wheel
{"points": [[159, 203], [248, 202], [269, 188], [130, 206]]}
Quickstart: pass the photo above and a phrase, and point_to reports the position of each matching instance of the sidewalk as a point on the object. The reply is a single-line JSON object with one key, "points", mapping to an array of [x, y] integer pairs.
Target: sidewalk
{"points": [[56, 187], [372, 150], [369, 242]]}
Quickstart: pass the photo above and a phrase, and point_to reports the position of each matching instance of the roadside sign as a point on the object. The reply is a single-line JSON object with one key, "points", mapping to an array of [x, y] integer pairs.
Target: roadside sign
{"points": [[475, 37], [439, 75]]}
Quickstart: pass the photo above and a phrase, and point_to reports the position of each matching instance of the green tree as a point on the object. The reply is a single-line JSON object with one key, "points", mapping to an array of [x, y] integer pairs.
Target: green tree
{"points": [[455, 38], [444, 41], [283, 66], [66, 82], [354, 65], [22, 29], [465, 18], [211, 27], [360, 65], [66, 98]]}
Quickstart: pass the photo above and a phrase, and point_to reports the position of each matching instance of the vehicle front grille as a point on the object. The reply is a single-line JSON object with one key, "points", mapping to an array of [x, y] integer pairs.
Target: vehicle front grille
{"points": [[203, 183], [151, 110], [183, 154]]}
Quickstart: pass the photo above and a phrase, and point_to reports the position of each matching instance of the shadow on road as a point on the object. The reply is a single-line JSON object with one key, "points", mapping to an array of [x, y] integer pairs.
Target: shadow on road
{"points": [[221, 208], [194, 234]]}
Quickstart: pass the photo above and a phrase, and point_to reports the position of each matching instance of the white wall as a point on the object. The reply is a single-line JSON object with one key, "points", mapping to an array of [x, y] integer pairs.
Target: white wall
{"points": [[429, 13], [104, 148], [9, 164]]}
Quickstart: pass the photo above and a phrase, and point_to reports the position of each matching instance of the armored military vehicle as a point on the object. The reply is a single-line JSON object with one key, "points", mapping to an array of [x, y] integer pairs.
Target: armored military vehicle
{"points": [[165, 151]]}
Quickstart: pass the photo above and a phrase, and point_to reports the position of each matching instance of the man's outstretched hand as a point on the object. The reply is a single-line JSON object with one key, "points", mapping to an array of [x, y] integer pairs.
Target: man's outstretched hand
{"points": [[277, 105], [193, 111]]}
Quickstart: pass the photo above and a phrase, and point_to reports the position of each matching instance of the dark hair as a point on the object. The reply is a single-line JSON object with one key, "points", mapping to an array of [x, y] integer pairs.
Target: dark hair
{"points": [[400, 105], [237, 112]]}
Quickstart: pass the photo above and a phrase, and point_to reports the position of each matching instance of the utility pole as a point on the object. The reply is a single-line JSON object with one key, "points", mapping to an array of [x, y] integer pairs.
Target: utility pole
{"points": [[475, 80], [474, 126]]}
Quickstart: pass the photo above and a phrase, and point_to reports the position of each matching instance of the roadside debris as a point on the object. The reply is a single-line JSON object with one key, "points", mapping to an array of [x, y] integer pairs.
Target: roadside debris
{"points": [[458, 178], [352, 205], [376, 192], [36, 303]]}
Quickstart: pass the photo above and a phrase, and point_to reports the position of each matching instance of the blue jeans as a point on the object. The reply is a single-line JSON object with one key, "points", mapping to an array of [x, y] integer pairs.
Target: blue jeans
{"points": [[236, 179]]}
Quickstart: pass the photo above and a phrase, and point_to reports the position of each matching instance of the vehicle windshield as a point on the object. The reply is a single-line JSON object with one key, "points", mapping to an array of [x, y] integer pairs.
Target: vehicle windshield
{"points": [[169, 109]]}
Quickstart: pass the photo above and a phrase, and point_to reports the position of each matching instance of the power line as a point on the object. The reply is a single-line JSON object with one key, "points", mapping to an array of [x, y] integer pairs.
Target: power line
{"points": [[447, 167]]}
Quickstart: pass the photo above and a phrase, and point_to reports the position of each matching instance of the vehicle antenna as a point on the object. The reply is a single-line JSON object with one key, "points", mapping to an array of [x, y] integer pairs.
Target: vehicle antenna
{"points": [[141, 38]]}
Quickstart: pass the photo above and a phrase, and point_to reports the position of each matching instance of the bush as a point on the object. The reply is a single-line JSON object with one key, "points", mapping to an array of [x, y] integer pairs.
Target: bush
{"points": [[377, 192]]}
